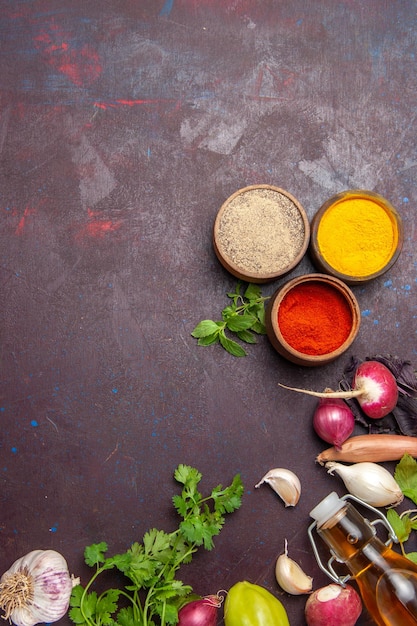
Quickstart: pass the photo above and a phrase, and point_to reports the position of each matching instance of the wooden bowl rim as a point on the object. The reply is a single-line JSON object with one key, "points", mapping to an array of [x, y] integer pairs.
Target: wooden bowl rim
{"points": [[240, 272], [350, 298], [319, 260]]}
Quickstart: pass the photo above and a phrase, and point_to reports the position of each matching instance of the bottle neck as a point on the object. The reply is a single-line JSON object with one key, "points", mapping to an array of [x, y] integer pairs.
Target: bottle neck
{"points": [[352, 539]]}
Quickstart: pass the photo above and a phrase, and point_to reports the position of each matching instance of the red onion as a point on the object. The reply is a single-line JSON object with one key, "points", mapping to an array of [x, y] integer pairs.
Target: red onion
{"points": [[333, 421], [201, 612]]}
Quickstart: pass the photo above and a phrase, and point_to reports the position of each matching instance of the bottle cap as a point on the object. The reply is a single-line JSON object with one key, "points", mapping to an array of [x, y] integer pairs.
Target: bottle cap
{"points": [[327, 508]]}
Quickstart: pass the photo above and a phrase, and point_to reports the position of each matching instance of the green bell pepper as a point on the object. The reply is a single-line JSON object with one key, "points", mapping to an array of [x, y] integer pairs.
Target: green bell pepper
{"points": [[251, 605]]}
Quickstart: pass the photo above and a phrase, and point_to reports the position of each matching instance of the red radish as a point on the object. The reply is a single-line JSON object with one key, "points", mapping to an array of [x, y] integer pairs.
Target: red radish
{"points": [[201, 612], [380, 391], [333, 605], [333, 421], [374, 387]]}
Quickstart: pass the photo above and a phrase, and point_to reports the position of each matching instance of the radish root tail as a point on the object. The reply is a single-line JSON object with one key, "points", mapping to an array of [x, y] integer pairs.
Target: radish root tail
{"points": [[353, 393]]}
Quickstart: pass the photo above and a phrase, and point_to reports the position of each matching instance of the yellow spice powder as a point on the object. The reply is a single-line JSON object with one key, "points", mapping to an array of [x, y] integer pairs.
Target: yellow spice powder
{"points": [[357, 236]]}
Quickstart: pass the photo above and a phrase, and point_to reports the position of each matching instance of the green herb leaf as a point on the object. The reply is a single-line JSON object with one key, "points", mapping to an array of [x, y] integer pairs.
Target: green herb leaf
{"points": [[259, 328], [412, 556], [246, 335], [205, 328], [252, 292], [228, 311], [157, 545], [208, 340], [180, 505], [171, 614], [406, 476], [245, 314], [151, 566], [199, 532], [229, 499], [240, 322], [121, 561], [95, 554], [88, 605], [236, 295], [75, 613], [187, 475], [76, 616], [258, 311], [401, 525], [107, 605], [125, 617], [231, 346]]}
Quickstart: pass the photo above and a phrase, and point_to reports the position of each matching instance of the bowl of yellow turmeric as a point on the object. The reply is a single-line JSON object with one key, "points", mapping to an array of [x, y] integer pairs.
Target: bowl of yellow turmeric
{"points": [[356, 236]]}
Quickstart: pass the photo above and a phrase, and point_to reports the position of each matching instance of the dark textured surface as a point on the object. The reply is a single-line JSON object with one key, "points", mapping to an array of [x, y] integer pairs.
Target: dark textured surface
{"points": [[123, 128]]}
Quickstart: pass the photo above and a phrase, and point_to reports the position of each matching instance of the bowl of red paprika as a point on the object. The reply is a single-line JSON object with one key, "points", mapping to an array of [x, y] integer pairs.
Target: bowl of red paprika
{"points": [[312, 319]]}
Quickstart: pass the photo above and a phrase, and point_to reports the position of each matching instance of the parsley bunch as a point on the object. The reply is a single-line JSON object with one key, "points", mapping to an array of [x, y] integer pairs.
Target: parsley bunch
{"points": [[243, 317], [153, 594]]}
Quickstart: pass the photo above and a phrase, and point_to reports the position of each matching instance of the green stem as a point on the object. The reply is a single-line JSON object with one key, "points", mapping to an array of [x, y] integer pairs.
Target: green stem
{"points": [[85, 591], [163, 615]]}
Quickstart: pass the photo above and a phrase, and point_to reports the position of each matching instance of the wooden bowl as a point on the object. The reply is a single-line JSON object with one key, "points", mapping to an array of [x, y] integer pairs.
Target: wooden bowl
{"points": [[357, 242], [334, 324], [261, 232]]}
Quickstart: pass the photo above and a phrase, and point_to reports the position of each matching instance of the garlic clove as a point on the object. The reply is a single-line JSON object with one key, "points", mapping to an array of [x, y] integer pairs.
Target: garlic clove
{"points": [[290, 575], [285, 483], [369, 482]]}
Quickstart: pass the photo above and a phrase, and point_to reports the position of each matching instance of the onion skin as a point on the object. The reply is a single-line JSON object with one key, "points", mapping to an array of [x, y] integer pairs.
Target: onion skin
{"points": [[333, 605], [370, 482], [333, 421], [201, 612], [371, 448]]}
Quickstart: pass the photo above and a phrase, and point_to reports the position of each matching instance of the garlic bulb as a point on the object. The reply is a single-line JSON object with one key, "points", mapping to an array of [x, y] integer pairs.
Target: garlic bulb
{"points": [[370, 482], [36, 588], [290, 576], [285, 483]]}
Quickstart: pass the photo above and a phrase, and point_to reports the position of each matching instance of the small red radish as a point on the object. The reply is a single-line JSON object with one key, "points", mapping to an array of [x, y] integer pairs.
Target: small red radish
{"points": [[333, 605], [374, 387], [380, 391]]}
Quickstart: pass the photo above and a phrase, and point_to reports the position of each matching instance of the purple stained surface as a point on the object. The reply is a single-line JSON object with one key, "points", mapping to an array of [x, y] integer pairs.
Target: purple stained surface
{"points": [[123, 128]]}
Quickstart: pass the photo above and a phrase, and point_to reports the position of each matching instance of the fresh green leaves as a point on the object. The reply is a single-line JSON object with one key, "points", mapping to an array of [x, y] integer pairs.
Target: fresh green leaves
{"points": [[403, 524], [406, 476], [244, 317], [153, 592]]}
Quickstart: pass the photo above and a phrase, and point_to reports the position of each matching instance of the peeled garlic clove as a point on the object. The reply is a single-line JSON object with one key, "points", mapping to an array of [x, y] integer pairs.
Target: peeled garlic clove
{"points": [[290, 576], [370, 482], [285, 483]]}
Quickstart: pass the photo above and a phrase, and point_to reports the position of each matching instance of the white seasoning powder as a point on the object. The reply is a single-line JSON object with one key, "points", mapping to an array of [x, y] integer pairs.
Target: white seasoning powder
{"points": [[261, 231]]}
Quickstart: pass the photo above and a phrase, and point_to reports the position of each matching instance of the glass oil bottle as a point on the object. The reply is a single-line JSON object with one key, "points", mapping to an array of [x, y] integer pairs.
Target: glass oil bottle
{"points": [[386, 580]]}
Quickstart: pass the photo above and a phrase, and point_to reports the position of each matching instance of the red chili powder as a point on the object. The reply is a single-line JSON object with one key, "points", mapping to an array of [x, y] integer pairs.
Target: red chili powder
{"points": [[314, 318]]}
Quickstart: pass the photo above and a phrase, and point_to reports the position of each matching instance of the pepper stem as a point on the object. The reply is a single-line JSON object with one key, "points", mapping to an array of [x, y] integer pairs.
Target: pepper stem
{"points": [[16, 590], [353, 393]]}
